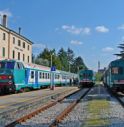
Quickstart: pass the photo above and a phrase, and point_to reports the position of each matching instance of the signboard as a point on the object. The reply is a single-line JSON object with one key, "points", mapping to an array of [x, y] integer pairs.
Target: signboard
{"points": [[53, 68]]}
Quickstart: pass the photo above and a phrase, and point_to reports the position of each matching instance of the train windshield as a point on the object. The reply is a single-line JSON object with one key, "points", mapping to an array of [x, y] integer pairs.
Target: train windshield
{"points": [[6, 65], [117, 70]]}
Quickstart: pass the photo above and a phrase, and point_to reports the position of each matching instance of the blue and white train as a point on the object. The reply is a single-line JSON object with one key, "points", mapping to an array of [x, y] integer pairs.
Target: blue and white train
{"points": [[17, 76]]}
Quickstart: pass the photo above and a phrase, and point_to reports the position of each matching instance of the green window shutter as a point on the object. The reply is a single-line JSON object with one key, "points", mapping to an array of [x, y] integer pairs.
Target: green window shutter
{"points": [[3, 52]]}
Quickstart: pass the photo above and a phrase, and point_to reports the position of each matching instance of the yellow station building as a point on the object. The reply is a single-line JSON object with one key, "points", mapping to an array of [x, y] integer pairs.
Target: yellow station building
{"points": [[13, 45]]}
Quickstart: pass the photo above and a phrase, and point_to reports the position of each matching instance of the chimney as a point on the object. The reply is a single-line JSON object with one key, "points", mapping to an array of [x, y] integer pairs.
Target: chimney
{"points": [[19, 30], [4, 22]]}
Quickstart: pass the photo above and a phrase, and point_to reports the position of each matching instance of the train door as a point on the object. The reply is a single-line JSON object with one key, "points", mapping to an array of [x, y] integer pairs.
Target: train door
{"points": [[27, 75], [36, 79], [19, 75]]}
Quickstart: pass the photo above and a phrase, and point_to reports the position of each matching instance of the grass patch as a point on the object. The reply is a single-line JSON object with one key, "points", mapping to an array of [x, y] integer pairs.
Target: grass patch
{"points": [[95, 108]]}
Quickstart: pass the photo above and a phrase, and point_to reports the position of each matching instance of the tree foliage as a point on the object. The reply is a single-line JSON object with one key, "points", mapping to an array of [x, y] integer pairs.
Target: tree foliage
{"points": [[63, 60], [78, 64], [121, 54], [62, 55], [98, 76]]}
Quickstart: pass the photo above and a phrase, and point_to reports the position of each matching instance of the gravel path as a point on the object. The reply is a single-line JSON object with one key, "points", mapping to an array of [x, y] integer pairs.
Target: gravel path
{"points": [[45, 118], [99, 110]]}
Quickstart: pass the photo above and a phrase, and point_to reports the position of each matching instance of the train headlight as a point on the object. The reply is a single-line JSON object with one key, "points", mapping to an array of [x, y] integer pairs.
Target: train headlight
{"points": [[10, 77]]}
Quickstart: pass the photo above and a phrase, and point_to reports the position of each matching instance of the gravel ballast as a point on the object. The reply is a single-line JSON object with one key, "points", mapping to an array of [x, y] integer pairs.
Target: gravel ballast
{"points": [[45, 118]]}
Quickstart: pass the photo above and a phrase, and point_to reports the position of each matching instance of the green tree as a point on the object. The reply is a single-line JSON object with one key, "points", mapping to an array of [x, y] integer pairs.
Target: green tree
{"points": [[62, 55], [63, 60], [70, 55], [78, 64], [98, 76], [121, 54], [45, 54], [41, 61]]}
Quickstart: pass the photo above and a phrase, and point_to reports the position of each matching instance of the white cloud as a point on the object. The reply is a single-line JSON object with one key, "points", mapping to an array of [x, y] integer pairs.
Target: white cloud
{"points": [[6, 11], [76, 42], [39, 45], [121, 27], [122, 39], [74, 30], [107, 49], [102, 29], [86, 30]]}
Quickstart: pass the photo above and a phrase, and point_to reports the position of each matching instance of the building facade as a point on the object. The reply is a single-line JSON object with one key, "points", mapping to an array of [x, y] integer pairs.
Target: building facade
{"points": [[14, 46]]}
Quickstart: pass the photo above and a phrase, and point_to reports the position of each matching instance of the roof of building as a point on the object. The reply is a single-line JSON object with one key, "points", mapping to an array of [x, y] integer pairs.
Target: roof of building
{"points": [[10, 30]]}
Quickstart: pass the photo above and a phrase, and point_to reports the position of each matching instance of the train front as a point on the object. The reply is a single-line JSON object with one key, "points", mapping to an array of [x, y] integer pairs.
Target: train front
{"points": [[6, 76], [86, 78]]}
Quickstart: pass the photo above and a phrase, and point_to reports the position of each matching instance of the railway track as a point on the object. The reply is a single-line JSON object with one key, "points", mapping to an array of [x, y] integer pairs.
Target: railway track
{"points": [[62, 115], [120, 99], [66, 106], [117, 96]]}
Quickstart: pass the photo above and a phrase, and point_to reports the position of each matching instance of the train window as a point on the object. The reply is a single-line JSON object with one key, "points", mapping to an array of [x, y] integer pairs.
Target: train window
{"points": [[17, 66], [117, 70], [120, 70], [8, 65], [48, 75], [21, 66], [32, 74], [89, 75], [84, 75], [2, 65], [114, 70], [55, 76], [43, 75], [40, 75]]}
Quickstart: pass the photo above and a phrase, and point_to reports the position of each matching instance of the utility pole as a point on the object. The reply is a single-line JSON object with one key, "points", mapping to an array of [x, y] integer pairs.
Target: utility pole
{"points": [[51, 77], [98, 66], [51, 59]]}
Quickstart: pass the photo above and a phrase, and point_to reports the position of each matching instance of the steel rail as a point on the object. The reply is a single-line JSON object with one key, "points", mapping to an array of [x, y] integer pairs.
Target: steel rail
{"points": [[116, 96], [67, 110], [43, 108]]}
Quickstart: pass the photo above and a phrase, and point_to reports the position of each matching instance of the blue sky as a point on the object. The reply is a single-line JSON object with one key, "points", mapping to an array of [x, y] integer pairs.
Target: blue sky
{"points": [[92, 28]]}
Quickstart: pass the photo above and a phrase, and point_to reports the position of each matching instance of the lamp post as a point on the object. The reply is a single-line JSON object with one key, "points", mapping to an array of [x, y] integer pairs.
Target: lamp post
{"points": [[69, 67], [51, 59], [52, 75], [77, 68]]}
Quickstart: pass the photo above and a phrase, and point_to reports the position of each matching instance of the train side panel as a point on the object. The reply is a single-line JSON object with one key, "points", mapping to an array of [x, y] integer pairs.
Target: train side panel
{"points": [[114, 75]]}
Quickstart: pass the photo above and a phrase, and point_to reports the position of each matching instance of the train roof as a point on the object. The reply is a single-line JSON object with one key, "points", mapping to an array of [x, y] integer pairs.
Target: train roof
{"points": [[6, 60], [116, 61], [36, 66]]}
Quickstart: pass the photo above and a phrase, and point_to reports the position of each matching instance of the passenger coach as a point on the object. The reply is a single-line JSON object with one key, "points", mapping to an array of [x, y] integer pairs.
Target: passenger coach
{"points": [[114, 75], [17, 76]]}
